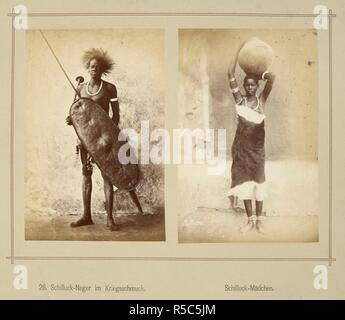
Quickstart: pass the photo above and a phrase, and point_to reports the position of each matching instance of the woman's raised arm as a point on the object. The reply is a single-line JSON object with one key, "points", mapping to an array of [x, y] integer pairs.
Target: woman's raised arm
{"points": [[232, 80], [269, 77]]}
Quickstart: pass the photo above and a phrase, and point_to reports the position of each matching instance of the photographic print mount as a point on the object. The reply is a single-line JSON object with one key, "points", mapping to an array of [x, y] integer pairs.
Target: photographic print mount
{"points": [[13, 257]]}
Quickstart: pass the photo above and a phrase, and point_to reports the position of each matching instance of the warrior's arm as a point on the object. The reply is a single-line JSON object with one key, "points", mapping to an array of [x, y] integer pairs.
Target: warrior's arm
{"points": [[231, 78], [269, 77], [114, 103], [68, 118]]}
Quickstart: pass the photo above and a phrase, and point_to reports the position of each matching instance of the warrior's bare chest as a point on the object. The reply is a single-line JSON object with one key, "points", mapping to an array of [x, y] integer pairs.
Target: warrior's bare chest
{"points": [[99, 95]]}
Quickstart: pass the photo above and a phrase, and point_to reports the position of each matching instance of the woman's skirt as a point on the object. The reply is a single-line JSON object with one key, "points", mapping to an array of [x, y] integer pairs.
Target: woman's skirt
{"points": [[248, 156]]}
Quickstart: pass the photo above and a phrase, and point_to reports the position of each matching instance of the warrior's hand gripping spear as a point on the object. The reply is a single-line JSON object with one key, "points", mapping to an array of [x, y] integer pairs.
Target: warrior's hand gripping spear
{"points": [[79, 80]]}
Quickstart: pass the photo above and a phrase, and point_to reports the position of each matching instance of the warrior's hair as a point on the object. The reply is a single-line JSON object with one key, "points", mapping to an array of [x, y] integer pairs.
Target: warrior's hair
{"points": [[105, 61]]}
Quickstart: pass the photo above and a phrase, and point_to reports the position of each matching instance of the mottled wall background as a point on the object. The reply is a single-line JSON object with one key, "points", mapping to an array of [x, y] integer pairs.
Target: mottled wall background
{"points": [[292, 108], [53, 171]]}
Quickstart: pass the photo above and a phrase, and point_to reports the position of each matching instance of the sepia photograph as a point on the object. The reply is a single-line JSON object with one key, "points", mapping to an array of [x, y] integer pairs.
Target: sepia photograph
{"points": [[260, 89], [172, 150], [88, 92]]}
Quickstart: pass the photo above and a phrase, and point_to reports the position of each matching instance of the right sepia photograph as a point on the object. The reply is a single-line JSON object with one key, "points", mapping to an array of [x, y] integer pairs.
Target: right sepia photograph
{"points": [[248, 99]]}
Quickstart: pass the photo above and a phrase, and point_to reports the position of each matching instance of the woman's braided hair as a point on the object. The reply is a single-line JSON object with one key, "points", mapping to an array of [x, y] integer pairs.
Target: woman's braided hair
{"points": [[252, 76]]}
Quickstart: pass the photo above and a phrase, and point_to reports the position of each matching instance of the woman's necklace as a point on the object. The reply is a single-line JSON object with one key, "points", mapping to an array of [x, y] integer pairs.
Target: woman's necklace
{"points": [[96, 93], [257, 105]]}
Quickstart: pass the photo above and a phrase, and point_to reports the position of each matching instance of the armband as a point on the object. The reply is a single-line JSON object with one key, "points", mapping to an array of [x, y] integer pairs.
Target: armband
{"points": [[263, 75]]}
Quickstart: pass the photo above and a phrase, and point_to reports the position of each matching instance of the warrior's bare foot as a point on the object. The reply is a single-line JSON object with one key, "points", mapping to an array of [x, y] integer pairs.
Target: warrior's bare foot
{"points": [[112, 225], [136, 201], [260, 226], [83, 221]]}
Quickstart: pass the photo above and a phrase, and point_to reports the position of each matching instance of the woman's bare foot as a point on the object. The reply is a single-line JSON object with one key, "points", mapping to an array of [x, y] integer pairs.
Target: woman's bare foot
{"points": [[260, 226], [249, 226], [83, 221]]}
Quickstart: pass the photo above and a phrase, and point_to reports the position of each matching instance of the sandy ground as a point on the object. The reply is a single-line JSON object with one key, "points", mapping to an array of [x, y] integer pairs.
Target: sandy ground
{"points": [[134, 227], [291, 207], [222, 225]]}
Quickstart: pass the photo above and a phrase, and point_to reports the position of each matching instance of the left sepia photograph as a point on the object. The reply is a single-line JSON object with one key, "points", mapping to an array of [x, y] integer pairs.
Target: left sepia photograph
{"points": [[92, 97]]}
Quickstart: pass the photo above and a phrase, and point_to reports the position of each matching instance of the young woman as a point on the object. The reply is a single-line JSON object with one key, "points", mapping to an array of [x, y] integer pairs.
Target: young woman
{"points": [[248, 149]]}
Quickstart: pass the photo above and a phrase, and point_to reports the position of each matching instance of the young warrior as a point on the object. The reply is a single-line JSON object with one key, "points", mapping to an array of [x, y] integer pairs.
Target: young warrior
{"points": [[248, 149], [98, 63]]}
